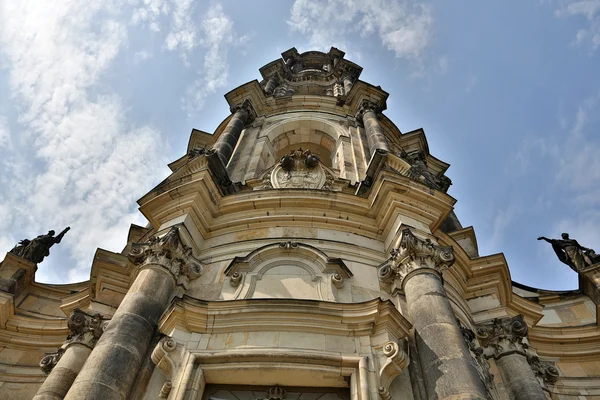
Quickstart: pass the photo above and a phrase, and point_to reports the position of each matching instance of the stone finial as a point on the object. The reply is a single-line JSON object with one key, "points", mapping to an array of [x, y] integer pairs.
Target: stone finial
{"points": [[246, 108], [169, 252], [503, 336], [85, 329], [414, 254], [366, 105]]}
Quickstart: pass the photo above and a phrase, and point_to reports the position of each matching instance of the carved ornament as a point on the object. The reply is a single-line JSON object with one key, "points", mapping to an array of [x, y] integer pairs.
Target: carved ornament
{"points": [[85, 329], [545, 371], [414, 255], [246, 108], [503, 336], [481, 363], [168, 252], [365, 106], [395, 361], [301, 169]]}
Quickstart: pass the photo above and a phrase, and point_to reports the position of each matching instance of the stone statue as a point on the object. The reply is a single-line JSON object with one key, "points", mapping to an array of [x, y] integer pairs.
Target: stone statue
{"points": [[420, 171], [36, 249], [570, 252]]}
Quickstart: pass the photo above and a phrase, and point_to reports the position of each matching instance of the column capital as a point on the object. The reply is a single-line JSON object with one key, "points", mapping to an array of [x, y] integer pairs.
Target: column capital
{"points": [[85, 329], [545, 371], [415, 256], [503, 336], [245, 107], [366, 105], [168, 252]]}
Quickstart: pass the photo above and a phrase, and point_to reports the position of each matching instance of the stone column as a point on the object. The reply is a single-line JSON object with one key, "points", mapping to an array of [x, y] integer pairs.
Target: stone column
{"points": [[165, 263], [242, 114], [502, 339], [367, 112], [448, 369], [271, 84], [63, 366], [348, 82]]}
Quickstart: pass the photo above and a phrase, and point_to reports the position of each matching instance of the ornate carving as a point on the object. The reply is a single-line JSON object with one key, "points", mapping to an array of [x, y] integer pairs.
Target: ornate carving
{"points": [[50, 360], [198, 151], [420, 171], [276, 393], [288, 245], [246, 108], [36, 249], [169, 252], [483, 366], [412, 255], [235, 279], [300, 169], [367, 105], [396, 360], [503, 336], [338, 280], [85, 329], [283, 90], [545, 371]]}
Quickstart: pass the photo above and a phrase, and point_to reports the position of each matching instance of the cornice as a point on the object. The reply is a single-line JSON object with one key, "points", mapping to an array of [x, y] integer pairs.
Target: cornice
{"points": [[285, 315]]}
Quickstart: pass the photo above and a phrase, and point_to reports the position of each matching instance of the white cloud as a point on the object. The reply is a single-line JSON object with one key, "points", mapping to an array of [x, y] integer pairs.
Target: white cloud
{"points": [[81, 163], [218, 36], [4, 132], [402, 27], [182, 36], [588, 9], [149, 12]]}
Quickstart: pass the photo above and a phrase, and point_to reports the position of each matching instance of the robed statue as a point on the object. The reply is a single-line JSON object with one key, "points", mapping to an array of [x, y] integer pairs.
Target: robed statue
{"points": [[36, 249], [570, 252]]}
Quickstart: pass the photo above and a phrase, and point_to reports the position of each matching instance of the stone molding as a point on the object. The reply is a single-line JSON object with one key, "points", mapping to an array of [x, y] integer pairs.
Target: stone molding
{"points": [[415, 255], [246, 108], [168, 252], [503, 336], [366, 105], [85, 329]]}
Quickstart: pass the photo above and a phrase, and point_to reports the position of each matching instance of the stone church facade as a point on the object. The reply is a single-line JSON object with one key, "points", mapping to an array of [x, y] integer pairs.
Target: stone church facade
{"points": [[307, 249]]}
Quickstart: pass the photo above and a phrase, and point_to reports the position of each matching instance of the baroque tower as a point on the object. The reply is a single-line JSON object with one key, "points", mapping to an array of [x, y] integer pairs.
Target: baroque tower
{"points": [[307, 248]]}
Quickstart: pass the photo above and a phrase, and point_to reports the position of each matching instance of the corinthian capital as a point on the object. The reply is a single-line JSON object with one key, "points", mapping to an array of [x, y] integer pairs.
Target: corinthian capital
{"points": [[246, 108], [413, 256], [169, 252], [366, 105], [85, 329], [503, 336]]}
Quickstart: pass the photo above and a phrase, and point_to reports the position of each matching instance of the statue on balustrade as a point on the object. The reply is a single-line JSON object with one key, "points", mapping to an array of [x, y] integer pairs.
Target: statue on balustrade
{"points": [[36, 249], [570, 252]]}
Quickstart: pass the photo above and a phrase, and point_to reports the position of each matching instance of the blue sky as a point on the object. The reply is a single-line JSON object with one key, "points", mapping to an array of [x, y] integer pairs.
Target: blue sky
{"points": [[97, 97]]}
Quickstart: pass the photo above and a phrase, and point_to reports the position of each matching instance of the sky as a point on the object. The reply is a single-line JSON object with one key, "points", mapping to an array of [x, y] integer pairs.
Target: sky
{"points": [[96, 98]]}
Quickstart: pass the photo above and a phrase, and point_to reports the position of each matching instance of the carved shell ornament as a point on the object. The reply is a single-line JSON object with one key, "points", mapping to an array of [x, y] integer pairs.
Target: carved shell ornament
{"points": [[300, 169]]}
